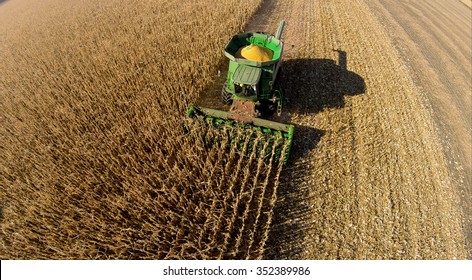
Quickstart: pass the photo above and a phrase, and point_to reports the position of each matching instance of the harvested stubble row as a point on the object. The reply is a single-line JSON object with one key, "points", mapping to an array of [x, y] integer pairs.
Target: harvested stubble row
{"points": [[95, 162], [369, 179]]}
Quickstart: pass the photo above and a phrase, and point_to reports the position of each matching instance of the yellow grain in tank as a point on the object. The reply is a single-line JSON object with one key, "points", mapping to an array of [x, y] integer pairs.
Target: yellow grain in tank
{"points": [[255, 53]]}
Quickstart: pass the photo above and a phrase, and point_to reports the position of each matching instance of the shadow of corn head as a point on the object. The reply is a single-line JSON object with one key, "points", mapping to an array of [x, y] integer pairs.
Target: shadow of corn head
{"points": [[310, 86]]}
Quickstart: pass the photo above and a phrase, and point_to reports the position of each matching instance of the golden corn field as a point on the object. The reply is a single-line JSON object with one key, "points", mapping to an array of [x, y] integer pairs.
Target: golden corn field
{"points": [[99, 162]]}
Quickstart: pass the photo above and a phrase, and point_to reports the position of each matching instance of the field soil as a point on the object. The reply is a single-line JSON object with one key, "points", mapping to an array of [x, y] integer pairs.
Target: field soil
{"points": [[434, 40], [381, 166]]}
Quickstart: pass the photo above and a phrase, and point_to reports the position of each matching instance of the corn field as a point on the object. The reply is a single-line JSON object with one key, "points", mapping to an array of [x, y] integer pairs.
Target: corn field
{"points": [[99, 162]]}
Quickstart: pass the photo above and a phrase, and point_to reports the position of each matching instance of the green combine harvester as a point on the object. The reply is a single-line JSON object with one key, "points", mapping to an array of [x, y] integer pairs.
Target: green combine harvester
{"points": [[252, 88]]}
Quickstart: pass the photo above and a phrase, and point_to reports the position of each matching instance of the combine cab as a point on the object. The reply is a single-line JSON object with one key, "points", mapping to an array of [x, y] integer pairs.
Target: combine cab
{"points": [[252, 88]]}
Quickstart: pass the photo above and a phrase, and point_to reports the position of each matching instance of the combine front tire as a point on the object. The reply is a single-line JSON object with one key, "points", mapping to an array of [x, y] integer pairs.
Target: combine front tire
{"points": [[226, 97]]}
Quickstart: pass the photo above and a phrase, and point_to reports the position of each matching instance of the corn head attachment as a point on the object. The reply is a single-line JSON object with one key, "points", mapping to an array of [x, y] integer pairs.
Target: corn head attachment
{"points": [[277, 136]]}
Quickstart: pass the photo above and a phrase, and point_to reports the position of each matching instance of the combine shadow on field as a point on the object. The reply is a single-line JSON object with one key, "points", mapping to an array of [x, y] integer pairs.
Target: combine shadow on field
{"points": [[310, 86]]}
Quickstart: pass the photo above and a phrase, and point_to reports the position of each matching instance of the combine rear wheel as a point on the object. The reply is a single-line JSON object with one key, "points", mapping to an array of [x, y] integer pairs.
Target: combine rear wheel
{"points": [[226, 97]]}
